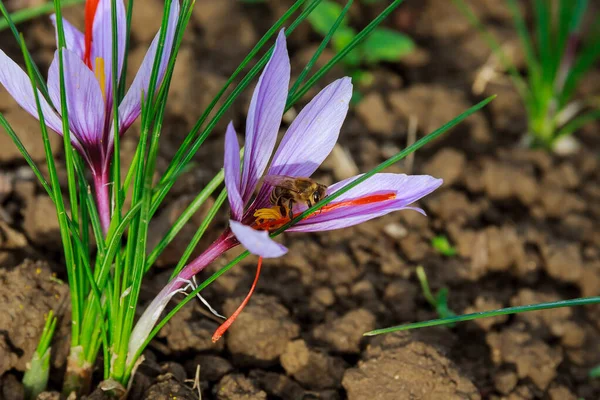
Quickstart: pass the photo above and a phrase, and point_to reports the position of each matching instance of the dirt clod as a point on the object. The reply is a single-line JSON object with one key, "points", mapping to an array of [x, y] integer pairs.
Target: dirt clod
{"points": [[447, 164], [533, 358], [344, 334], [27, 293], [312, 368], [406, 369], [262, 332], [238, 387]]}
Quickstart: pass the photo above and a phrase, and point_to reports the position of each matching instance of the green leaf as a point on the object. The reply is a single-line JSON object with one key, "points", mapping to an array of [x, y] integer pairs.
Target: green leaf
{"points": [[342, 38], [324, 16], [441, 244], [386, 45], [486, 314]]}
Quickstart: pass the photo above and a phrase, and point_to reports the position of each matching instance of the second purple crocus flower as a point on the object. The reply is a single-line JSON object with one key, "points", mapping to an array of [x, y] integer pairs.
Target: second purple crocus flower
{"points": [[306, 144], [89, 92]]}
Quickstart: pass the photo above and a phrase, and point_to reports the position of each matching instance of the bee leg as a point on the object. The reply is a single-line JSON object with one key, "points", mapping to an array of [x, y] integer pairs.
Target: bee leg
{"points": [[290, 207]]}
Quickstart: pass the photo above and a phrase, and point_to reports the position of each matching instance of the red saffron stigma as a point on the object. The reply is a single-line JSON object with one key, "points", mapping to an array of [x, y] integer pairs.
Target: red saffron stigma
{"points": [[223, 328], [90, 13], [361, 201]]}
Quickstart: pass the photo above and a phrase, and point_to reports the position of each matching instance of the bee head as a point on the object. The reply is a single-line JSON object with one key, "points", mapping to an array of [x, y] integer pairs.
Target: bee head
{"points": [[319, 194]]}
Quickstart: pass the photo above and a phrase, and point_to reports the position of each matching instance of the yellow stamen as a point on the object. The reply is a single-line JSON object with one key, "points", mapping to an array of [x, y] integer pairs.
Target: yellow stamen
{"points": [[268, 213], [100, 76]]}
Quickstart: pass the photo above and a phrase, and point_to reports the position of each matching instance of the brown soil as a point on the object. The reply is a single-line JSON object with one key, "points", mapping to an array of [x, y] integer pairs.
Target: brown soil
{"points": [[524, 223]]}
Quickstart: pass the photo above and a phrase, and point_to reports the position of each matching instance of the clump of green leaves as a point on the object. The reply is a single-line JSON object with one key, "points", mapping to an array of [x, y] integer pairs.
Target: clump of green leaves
{"points": [[441, 244], [558, 55], [382, 45], [440, 301], [35, 379]]}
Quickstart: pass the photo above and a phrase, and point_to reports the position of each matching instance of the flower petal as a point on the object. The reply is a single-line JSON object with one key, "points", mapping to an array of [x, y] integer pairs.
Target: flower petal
{"points": [[314, 132], [408, 189], [73, 37], [264, 116], [257, 242], [130, 107], [85, 104], [232, 172], [18, 85], [102, 41]]}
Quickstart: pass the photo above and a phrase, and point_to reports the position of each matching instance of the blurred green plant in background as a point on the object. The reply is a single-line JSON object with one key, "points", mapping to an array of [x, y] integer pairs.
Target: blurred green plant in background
{"points": [[383, 45], [558, 54]]}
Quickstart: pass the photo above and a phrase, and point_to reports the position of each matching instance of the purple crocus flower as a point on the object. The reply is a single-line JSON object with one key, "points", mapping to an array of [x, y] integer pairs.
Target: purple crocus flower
{"points": [[306, 144], [87, 61], [308, 141]]}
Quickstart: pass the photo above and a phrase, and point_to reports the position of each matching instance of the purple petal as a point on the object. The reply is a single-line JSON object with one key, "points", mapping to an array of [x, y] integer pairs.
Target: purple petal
{"points": [[74, 39], [85, 104], [257, 242], [18, 85], [130, 107], [408, 189], [264, 116], [314, 132], [232, 172], [102, 41]]}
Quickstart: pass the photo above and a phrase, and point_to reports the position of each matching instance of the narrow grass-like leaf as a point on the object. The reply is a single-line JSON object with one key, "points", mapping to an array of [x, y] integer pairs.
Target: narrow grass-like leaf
{"points": [[199, 233], [486, 314], [33, 12], [190, 210], [341, 54], [65, 232], [39, 80], [329, 34]]}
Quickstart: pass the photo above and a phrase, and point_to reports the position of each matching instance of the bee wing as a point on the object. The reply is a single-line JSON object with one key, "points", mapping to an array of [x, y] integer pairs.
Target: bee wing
{"points": [[282, 181]]}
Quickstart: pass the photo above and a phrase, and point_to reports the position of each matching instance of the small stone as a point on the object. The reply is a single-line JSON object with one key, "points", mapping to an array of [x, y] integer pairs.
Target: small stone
{"points": [[414, 247], [395, 230], [341, 163], [560, 392], [41, 222], [345, 333], [563, 261], [375, 115], [311, 368], [238, 387], [447, 164], [261, 333], [167, 387], [558, 203], [503, 182], [564, 176], [505, 381]]}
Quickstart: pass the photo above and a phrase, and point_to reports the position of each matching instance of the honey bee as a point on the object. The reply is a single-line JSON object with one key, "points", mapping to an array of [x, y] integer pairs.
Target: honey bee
{"points": [[288, 190]]}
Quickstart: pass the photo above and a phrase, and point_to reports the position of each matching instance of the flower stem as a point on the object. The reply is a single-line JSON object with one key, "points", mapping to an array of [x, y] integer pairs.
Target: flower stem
{"points": [[146, 322], [101, 186]]}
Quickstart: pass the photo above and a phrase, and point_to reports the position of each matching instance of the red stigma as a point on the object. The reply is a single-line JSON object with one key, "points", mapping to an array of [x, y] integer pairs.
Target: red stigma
{"points": [[90, 13], [223, 328], [361, 201]]}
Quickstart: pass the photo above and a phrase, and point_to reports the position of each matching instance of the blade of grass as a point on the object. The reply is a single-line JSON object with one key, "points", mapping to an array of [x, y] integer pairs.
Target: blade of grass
{"points": [[33, 12], [39, 80], [190, 210], [65, 232], [199, 233], [320, 49], [487, 314]]}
